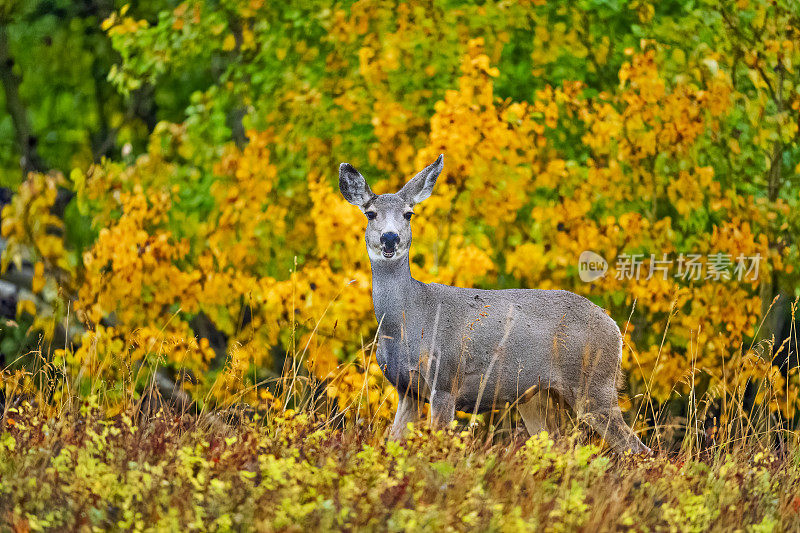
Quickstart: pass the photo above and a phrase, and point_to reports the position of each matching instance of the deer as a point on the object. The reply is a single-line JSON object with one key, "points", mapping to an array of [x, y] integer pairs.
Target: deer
{"points": [[470, 349]]}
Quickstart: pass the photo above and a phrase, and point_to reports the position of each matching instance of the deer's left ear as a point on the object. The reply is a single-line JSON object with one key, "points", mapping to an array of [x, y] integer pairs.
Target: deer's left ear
{"points": [[421, 185]]}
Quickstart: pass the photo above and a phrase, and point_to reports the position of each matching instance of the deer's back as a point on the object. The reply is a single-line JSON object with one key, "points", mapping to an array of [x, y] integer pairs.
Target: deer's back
{"points": [[512, 339]]}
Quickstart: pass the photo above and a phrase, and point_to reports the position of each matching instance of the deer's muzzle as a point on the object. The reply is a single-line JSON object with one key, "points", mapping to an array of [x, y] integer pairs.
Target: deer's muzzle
{"points": [[389, 242]]}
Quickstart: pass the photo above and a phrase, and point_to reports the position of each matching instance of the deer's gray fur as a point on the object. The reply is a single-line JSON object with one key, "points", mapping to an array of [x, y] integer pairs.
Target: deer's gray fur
{"points": [[471, 349]]}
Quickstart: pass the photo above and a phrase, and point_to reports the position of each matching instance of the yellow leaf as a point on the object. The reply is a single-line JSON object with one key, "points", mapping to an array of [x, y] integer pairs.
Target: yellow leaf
{"points": [[229, 43], [107, 23], [26, 306], [248, 38], [37, 284]]}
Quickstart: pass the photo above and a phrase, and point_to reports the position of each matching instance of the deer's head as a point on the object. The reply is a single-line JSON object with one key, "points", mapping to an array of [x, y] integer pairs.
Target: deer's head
{"points": [[388, 232]]}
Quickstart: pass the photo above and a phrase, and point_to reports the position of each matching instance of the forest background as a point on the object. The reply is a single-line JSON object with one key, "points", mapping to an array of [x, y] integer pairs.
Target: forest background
{"points": [[172, 215]]}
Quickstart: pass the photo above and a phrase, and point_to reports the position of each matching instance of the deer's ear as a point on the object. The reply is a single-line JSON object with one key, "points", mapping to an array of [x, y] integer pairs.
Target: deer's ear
{"points": [[353, 186], [421, 185]]}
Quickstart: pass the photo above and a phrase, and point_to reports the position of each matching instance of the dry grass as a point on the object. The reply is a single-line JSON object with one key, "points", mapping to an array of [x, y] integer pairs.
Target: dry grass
{"points": [[308, 464]]}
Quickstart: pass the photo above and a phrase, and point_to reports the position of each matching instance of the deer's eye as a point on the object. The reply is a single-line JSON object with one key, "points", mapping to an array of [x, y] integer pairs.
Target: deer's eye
{"points": [[408, 215], [371, 215]]}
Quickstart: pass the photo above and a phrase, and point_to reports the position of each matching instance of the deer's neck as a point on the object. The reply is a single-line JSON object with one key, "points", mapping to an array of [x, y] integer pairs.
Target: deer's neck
{"points": [[394, 294]]}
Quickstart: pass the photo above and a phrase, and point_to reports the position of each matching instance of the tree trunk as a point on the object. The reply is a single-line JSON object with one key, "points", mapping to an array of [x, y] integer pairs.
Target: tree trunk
{"points": [[769, 284]]}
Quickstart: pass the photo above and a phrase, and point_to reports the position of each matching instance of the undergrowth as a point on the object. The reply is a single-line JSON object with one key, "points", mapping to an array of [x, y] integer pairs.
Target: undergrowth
{"points": [[291, 470], [300, 461]]}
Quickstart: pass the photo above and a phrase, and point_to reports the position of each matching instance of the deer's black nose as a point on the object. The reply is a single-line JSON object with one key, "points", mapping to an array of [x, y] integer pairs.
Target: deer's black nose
{"points": [[390, 240]]}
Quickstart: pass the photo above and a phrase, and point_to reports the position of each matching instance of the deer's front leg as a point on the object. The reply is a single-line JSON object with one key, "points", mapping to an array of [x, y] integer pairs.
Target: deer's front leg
{"points": [[407, 411], [443, 408]]}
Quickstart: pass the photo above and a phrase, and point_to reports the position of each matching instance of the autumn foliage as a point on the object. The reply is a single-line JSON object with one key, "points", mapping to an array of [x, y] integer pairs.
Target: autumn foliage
{"points": [[221, 250]]}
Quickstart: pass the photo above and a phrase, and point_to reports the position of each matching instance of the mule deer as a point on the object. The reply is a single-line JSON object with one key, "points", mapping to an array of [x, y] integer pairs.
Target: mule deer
{"points": [[471, 349]]}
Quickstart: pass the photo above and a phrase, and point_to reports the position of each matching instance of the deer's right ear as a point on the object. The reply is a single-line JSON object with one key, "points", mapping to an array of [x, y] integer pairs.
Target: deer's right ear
{"points": [[353, 186]]}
